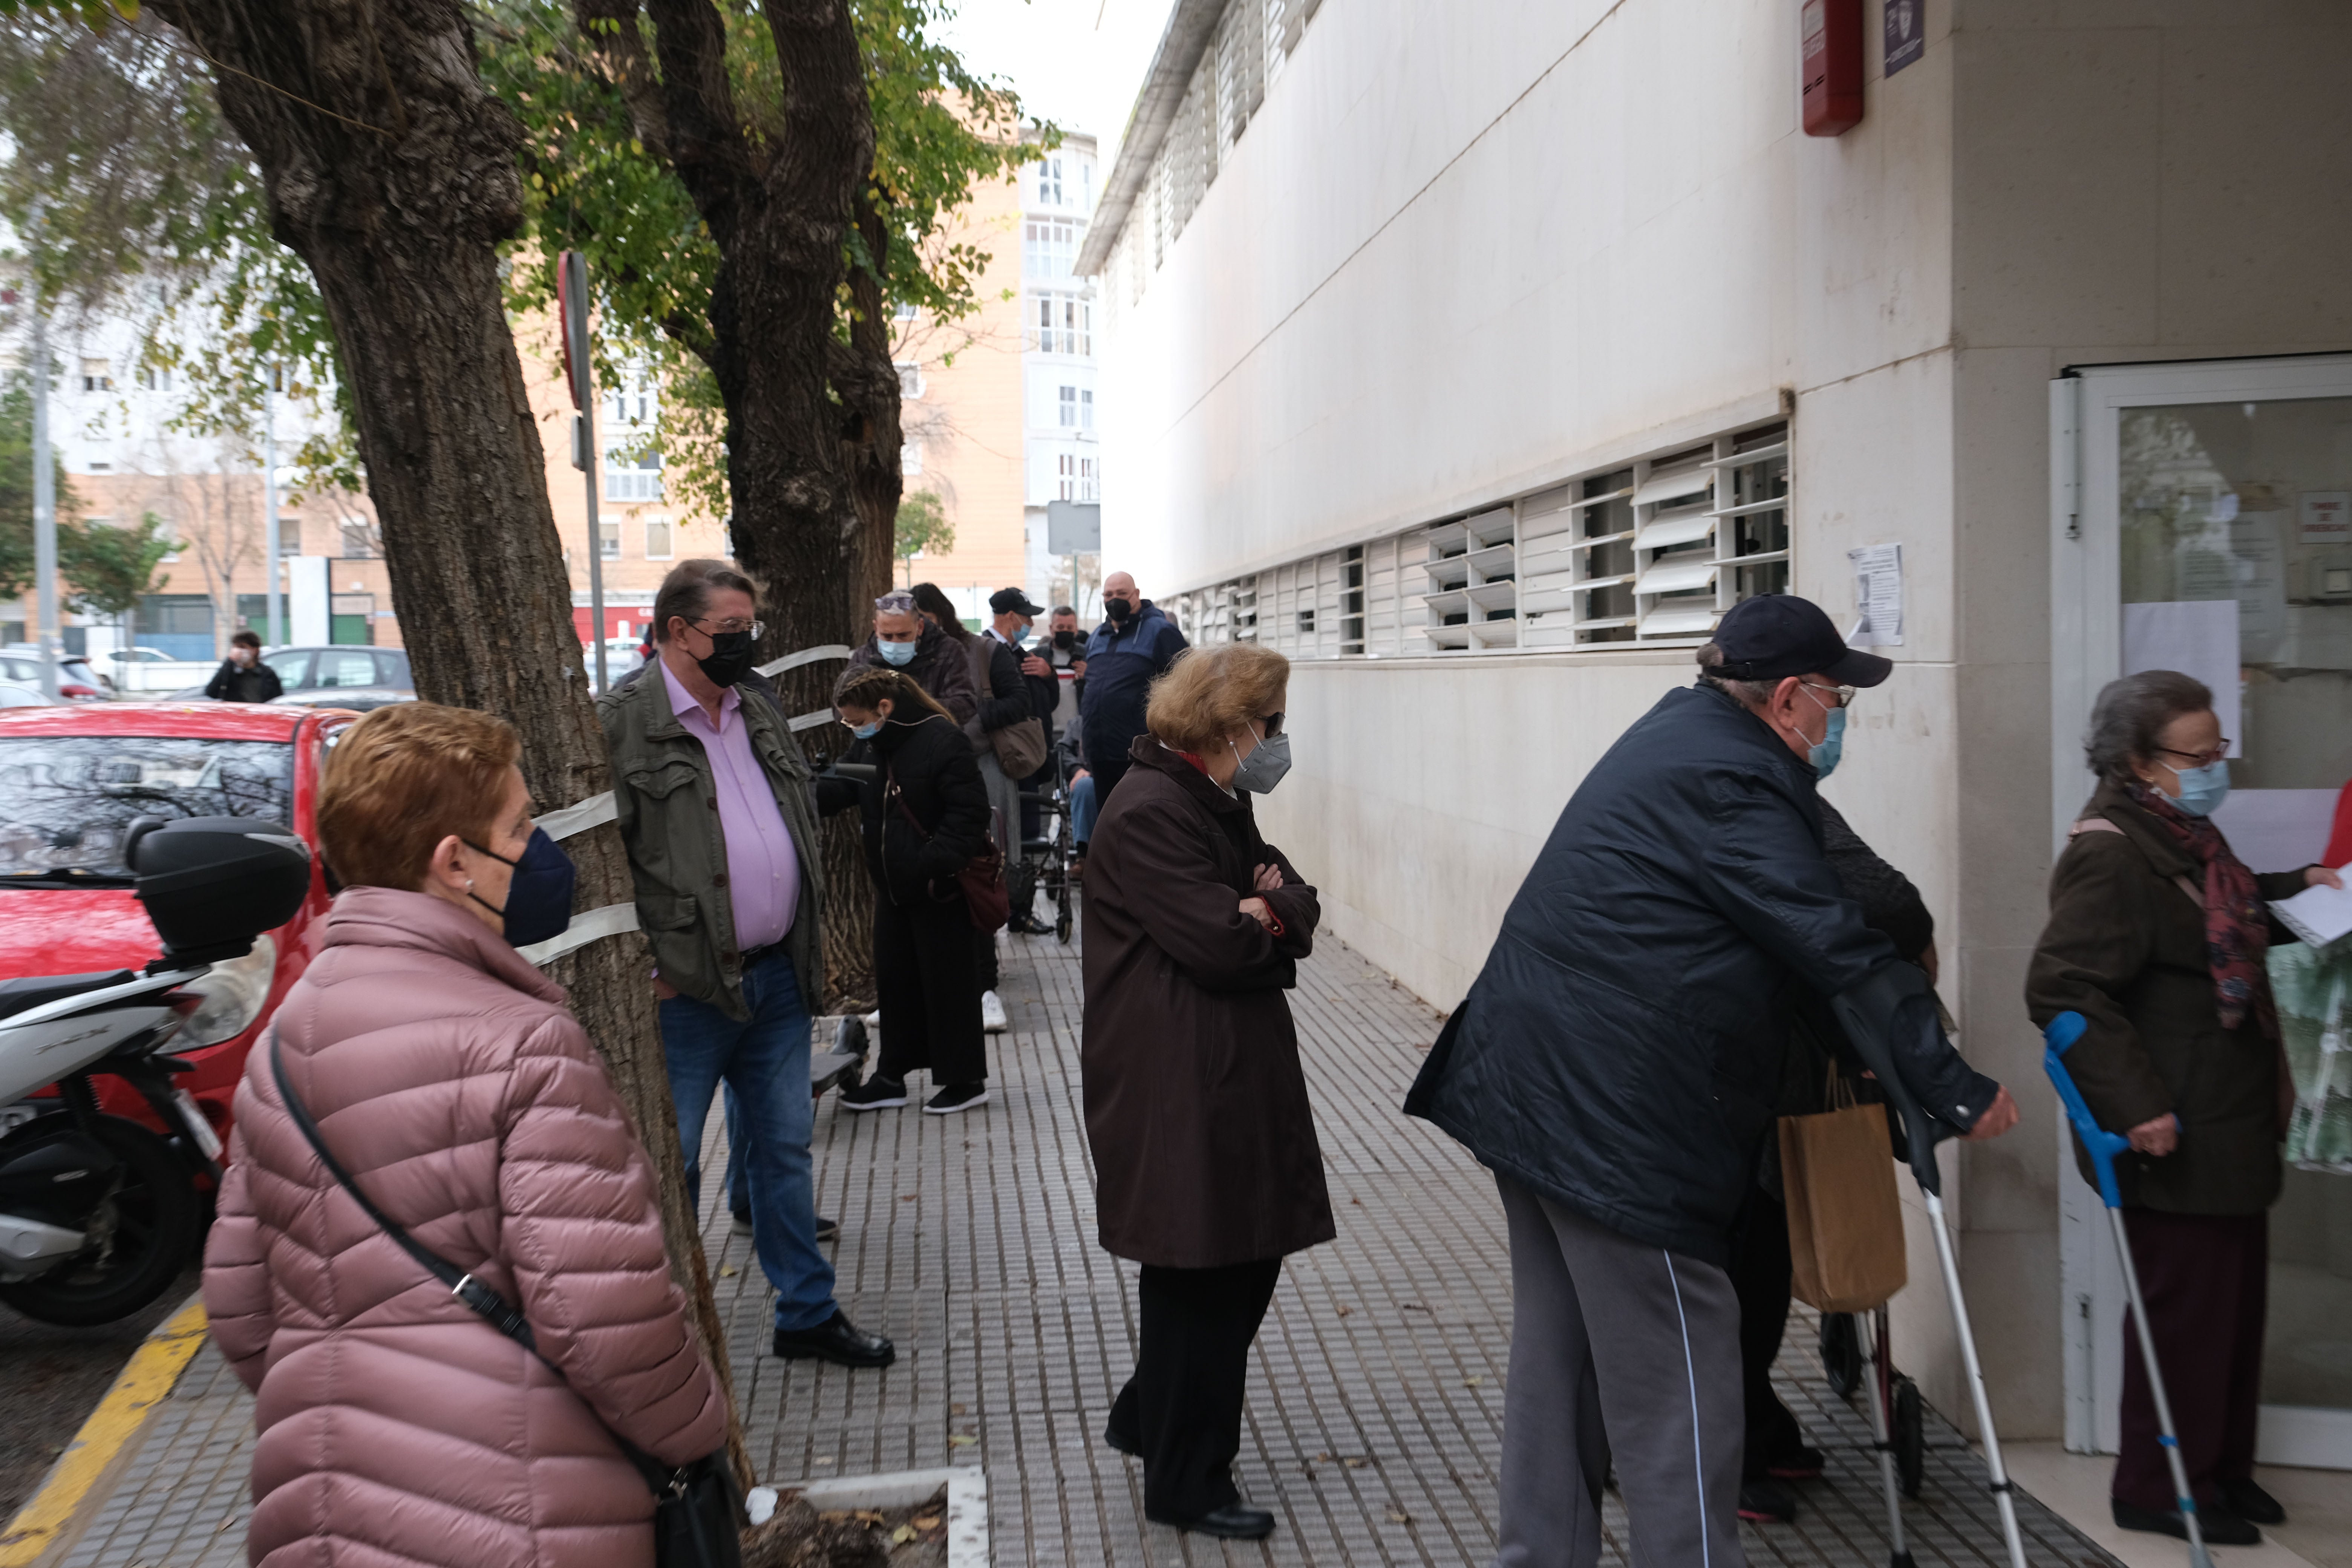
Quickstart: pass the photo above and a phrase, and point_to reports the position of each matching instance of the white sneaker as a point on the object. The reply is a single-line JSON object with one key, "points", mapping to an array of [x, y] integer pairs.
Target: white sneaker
{"points": [[992, 1013]]}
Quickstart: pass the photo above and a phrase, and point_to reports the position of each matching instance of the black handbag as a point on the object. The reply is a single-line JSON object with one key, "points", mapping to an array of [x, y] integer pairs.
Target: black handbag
{"points": [[697, 1507]]}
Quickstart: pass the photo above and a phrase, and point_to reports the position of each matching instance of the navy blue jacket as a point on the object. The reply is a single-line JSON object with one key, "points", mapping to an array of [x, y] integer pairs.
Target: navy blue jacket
{"points": [[1121, 665], [1620, 1051]]}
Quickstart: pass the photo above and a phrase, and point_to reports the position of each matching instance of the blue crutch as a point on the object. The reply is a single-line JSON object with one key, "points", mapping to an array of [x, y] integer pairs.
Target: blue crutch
{"points": [[2104, 1146]]}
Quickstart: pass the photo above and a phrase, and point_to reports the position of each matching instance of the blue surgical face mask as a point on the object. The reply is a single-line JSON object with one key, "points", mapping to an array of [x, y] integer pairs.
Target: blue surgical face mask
{"points": [[539, 895], [897, 654], [2202, 790], [1824, 756], [866, 732]]}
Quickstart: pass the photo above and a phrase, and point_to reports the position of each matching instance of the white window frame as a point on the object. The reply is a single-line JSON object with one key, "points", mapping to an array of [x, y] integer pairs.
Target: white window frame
{"points": [[668, 551], [608, 538], [1061, 322], [2085, 653]]}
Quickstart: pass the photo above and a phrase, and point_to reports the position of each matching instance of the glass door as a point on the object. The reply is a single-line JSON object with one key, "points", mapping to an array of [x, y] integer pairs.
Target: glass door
{"points": [[2203, 519]]}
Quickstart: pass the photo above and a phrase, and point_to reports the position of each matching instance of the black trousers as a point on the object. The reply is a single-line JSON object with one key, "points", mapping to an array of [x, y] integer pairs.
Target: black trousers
{"points": [[1183, 1408], [1760, 1274], [1106, 777], [2207, 1282], [926, 969]]}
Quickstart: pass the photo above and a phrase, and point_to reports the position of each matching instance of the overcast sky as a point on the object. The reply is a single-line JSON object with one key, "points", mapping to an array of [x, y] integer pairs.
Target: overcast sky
{"points": [[1077, 62]]}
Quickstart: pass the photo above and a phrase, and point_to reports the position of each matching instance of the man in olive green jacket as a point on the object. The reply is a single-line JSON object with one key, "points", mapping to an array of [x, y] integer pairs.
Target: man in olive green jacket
{"points": [[714, 802]]}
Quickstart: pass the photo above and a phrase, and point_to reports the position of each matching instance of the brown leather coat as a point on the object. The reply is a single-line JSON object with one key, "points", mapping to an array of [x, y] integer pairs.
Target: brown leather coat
{"points": [[2125, 947], [1196, 1106]]}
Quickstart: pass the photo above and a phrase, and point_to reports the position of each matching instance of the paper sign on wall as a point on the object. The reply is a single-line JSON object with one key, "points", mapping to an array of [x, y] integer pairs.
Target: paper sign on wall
{"points": [[2326, 517], [1877, 596], [2196, 636]]}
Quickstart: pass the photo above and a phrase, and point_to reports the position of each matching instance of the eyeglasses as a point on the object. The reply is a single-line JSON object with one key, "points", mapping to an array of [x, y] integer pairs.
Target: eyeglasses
{"points": [[1845, 694], [720, 627], [2220, 752], [1273, 723]]}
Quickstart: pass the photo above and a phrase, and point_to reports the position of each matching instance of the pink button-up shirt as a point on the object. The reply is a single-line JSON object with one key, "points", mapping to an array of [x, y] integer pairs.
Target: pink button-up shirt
{"points": [[764, 870]]}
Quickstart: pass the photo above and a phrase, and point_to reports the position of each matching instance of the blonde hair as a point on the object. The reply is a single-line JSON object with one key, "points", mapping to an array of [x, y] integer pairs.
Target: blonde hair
{"points": [[865, 686], [1209, 693], [405, 778]]}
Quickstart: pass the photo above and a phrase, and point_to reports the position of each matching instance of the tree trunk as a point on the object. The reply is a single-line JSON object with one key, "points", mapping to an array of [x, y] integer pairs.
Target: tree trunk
{"points": [[391, 170], [812, 423]]}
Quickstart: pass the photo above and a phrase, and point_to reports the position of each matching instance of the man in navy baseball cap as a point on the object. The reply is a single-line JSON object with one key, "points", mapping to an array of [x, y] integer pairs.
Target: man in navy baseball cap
{"points": [[1616, 1065]]}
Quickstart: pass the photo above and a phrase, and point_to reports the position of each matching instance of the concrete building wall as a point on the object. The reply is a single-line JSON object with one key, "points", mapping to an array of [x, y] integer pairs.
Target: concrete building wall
{"points": [[1447, 266]]}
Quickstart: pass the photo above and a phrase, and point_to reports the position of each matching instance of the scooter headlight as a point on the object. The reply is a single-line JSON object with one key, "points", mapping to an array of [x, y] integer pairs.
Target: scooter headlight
{"points": [[233, 993]]}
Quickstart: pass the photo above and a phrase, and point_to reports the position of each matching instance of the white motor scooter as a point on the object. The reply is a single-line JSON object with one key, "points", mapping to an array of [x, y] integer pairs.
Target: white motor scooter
{"points": [[97, 1211]]}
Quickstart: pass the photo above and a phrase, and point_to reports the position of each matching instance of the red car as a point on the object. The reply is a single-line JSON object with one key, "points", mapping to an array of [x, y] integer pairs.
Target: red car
{"points": [[72, 781]]}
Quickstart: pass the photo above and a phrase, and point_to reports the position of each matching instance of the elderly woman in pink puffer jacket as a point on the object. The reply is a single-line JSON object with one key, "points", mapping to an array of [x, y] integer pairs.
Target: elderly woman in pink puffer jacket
{"points": [[447, 1077]]}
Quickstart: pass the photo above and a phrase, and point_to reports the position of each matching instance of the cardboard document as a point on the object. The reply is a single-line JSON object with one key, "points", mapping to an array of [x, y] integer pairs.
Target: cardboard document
{"points": [[2319, 915], [2195, 636], [1878, 596]]}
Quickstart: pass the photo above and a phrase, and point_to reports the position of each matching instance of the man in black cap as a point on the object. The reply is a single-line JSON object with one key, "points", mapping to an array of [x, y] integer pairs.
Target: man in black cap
{"points": [[1615, 1065], [1013, 618]]}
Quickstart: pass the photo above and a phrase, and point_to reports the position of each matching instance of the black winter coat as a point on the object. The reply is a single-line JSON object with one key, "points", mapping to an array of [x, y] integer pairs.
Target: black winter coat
{"points": [[1196, 1104], [234, 682], [940, 781], [1620, 1051]]}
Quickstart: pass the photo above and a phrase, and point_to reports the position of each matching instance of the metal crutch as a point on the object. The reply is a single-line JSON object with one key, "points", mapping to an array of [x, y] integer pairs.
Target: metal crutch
{"points": [[2104, 1146], [1921, 1131], [1881, 1427]]}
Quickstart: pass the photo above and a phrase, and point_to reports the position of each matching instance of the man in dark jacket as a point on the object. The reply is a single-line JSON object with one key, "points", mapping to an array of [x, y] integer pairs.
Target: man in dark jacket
{"points": [[242, 676], [1615, 1063], [904, 639], [1133, 647]]}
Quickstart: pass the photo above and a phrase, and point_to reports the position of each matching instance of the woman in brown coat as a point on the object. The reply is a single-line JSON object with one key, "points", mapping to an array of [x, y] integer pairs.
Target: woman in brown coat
{"points": [[1206, 1164], [2156, 936]]}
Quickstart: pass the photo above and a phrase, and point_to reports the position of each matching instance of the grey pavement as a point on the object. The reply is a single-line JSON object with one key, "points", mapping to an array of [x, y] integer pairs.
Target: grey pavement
{"points": [[1375, 1413]]}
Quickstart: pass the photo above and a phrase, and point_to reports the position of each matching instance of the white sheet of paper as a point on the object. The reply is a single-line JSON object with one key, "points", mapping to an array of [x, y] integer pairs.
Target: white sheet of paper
{"points": [[2319, 915], [2195, 636], [1878, 596], [2277, 829]]}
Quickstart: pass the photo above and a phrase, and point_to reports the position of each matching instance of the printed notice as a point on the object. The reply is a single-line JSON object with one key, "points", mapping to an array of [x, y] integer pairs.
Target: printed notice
{"points": [[1877, 596], [2326, 517], [2319, 915]]}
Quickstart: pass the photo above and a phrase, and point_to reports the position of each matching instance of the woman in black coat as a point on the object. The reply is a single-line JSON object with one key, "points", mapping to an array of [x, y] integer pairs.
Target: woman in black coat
{"points": [[925, 818], [1207, 1171]]}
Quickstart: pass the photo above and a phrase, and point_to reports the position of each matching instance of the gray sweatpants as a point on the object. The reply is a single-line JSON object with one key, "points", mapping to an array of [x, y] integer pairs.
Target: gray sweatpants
{"points": [[1617, 1348]]}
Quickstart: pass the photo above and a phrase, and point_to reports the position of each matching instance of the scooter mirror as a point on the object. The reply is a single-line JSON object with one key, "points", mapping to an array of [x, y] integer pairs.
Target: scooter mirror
{"points": [[212, 884]]}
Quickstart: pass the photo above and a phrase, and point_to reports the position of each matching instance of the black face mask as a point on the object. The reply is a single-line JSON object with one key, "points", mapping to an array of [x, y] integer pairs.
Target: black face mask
{"points": [[1119, 610], [729, 658], [1065, 639]]}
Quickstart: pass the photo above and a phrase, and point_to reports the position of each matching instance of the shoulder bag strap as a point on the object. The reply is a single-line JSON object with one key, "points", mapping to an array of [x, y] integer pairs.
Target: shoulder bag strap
{"points": [[898, 799], [493, 1308], [2101, 824]]}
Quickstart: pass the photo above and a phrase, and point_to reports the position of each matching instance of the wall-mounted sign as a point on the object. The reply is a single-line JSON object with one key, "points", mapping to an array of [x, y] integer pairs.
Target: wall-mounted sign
{"points": [[1831, 66], [2326, 517], [1906, 32]]}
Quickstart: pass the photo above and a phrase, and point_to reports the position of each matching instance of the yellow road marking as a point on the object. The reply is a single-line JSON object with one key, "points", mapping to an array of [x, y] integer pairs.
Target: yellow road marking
{"points": [[153, 1369]]}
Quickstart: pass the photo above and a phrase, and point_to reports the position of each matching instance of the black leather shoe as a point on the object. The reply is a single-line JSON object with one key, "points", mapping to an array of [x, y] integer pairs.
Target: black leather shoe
{"points": [[827, 1229], [2219, 1525], [1765, 1501], [1112, 1436], [838, 1341], [2250, 1503], [1235, 1521]]}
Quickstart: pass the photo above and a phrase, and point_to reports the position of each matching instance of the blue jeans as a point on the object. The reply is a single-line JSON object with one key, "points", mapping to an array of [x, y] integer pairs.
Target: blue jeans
{"points": [[765, 1062], [1082, 809]]}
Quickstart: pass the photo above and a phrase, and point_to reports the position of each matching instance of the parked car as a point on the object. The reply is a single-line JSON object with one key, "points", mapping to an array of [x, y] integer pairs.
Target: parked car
{"points": [[77, 682], [357, 698], [14, 696], [73, 779], [338, 668], [148, 669]]}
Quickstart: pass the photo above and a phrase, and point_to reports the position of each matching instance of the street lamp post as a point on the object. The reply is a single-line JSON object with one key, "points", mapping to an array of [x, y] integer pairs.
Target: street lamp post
{"points": [[44, 495], [571, 292], [273, 634]]}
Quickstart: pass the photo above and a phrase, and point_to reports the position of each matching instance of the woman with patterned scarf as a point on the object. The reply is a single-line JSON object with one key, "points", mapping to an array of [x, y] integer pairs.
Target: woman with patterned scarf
{"points": [[2157, 937]]}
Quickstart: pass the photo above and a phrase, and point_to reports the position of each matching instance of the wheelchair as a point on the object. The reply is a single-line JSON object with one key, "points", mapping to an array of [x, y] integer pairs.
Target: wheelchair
{"points": [[1049, 862]]}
